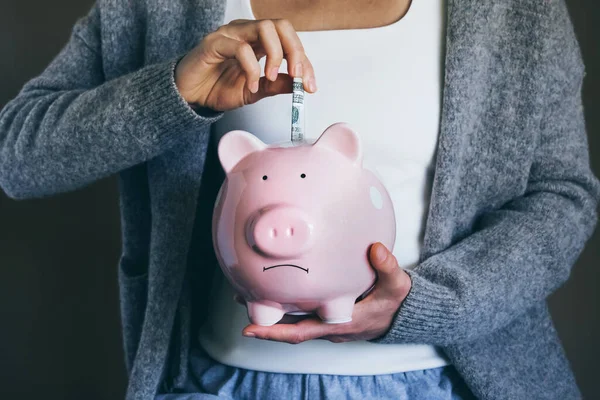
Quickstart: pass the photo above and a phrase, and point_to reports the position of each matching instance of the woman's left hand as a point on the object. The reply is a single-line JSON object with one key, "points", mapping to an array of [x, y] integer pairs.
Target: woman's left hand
{"points": [[371, 318]]}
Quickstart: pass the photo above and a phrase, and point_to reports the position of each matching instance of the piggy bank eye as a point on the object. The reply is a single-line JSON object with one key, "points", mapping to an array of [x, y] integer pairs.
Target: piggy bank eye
{"points": [[303, 176], [264, 177]]}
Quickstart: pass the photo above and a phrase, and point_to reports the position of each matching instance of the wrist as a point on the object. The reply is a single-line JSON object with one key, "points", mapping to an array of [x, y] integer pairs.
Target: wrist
{"points": [[186, 95], [180, 72]]}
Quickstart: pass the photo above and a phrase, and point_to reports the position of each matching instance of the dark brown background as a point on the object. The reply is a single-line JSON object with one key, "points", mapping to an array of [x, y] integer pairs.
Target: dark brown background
{"points": [[60, 333]]}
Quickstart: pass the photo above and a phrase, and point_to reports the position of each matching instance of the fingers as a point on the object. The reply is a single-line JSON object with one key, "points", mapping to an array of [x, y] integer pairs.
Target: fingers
{"points": [[239, 21], [308, 329], [225, 47], [277, 39], [269, 40], [263, 36], [298, 63], [266, 88]]}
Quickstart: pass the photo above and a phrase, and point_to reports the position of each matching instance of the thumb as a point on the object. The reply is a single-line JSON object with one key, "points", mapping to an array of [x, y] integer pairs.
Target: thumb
{"points": [[390, 275], [382, 259]]}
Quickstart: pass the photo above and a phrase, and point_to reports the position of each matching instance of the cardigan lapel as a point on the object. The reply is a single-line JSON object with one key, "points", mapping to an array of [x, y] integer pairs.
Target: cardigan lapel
{"points": [[438, 228], [489, 121], [465, 66]]}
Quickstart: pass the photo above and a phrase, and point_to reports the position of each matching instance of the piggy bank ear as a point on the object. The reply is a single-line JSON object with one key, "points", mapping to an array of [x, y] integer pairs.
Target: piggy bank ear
{"points": [[236, 145], [341, 138]]}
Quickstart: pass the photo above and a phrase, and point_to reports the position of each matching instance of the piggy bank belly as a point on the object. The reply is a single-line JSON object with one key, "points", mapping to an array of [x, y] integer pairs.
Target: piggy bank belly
{"points": [[327, 287]]}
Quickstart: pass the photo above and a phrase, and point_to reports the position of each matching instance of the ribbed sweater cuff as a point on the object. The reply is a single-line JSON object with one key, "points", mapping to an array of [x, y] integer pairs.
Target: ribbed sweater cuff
{"points": [[161, 113], [429, 314]]}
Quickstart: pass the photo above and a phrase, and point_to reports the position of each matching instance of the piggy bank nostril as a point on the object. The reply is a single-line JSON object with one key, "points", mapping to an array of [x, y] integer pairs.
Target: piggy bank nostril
{"points": [[280, 232]]}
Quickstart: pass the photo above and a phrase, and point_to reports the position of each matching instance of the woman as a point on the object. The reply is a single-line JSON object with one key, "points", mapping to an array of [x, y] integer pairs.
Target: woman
{"points": [[138, 88]]}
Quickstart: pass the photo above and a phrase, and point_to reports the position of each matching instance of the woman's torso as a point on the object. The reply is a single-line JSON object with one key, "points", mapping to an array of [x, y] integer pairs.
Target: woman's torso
{"points": [[386, 83]]}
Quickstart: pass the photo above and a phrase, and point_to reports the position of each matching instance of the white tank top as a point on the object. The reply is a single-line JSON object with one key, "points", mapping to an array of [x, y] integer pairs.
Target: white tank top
{"points": [[386, 82]]}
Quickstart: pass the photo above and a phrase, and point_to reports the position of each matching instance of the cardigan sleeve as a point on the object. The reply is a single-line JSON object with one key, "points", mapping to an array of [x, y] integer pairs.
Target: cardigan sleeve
{"points": [[69, 126], [519, 254]]}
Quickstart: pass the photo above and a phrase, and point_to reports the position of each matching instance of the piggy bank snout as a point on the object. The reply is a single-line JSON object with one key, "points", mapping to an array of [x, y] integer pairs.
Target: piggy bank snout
{"points": [[280, 232]]}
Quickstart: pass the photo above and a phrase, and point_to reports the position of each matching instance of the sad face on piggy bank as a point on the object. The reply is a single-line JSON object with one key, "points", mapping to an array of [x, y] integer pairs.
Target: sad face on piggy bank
{"points": [[292, 225]]}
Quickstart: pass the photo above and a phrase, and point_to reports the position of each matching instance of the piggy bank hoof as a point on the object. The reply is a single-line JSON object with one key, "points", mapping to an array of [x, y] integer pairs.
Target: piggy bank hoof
{"points": [[337, 311], [265, 314]]}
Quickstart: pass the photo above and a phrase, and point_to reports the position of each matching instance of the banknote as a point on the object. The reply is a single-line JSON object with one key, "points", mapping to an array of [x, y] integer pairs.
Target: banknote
{"points": [[297, 111]]}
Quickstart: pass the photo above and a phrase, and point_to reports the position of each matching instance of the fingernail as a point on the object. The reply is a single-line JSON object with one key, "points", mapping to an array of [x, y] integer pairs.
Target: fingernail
{"points": [[249, 334], [254, 87], [380, 253], [298, 70], [312, 84], [273, 73]]}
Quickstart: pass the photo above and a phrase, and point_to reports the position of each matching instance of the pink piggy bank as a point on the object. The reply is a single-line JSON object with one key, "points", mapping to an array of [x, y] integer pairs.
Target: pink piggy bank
{"points": [[293, 224]]}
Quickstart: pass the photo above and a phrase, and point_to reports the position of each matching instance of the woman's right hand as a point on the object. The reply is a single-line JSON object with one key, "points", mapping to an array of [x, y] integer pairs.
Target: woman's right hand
{"points": [[222, 72]]}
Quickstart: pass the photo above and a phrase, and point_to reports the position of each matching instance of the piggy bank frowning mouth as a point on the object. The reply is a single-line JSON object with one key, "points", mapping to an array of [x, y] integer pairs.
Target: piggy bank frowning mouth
{"points": [[293, 224]]}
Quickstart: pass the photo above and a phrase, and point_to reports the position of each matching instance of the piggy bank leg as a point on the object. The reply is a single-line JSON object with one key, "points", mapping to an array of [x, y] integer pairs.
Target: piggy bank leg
{"points": [[265, 313], [337, 311]]}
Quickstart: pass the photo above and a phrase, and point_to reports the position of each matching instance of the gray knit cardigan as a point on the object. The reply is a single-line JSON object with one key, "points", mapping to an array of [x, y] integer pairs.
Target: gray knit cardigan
{"points": [[513, 200]]}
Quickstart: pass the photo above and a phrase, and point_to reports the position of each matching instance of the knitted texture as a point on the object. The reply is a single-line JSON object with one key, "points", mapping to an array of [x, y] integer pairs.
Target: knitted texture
{"points": [[513, 200]]}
